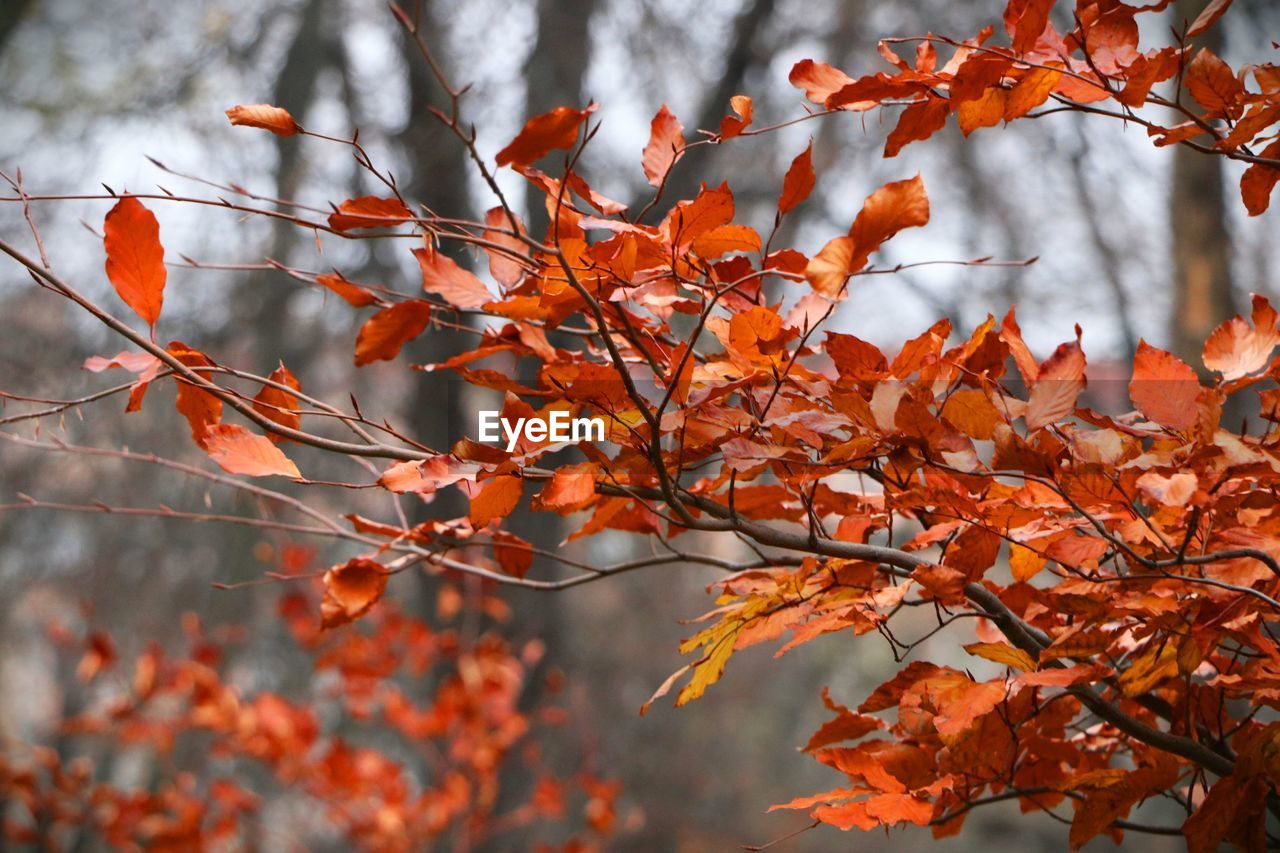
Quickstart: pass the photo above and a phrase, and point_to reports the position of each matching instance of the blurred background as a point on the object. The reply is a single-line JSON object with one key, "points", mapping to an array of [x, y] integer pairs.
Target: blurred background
{"points": [[1132, 242]]}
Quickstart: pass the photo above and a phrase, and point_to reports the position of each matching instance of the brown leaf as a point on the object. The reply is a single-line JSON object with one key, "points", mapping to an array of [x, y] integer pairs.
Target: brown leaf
{"points": [[504, 263], [918, 122], [1060, 381], [1214, 85], [135, 258]]}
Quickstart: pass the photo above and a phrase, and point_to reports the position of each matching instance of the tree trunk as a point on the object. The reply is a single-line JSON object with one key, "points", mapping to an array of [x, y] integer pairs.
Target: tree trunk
{"points": [[1202, 294]]}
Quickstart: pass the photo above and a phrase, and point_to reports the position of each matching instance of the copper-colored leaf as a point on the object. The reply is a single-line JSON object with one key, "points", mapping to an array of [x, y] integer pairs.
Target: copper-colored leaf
{"points": [[818, 79], [1206, 19], [351, 293], [275, 119], [135, 258], [1234, 349], [278, 404], [442, 276], [1163, 387], [239, 451], [1259, 180], [350, 590], [541, 134], [798, 182], [383, 334], [369, 212], [505, 254], [918, 121], [496, 499], [1214, 85], [1060, 381], [896, 205], [666, 146], [571, 487], [1002, 653]]}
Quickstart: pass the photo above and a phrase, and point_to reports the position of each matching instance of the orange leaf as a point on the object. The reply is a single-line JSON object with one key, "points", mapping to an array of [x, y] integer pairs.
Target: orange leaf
{"points": [[1060, 381], [1205, 19], [828, 270], [818, 79], [1024, 563], [350, 590], [442, 276], [201, 408], [570, 488], [353, 294], [961, 701], [542, 133], [1234, 349], [666, 146], [496, 499], [369, 212], [503, 263], [1163, 387], [896, 205], [383, 334], [1214, 85], [277, 404], [725, 239], [1259, 180], [799, 181], [918, 121], [1030, 92], [731, 126], [238, 451], [275, 119], [1002, 653], [986, 111], [135, 258]]}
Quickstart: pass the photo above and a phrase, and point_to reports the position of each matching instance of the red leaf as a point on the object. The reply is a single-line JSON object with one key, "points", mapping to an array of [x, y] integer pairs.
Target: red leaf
{"points": [[666, 146], [350, 590], [442, 276], [1163, 387], [382, 336], [369, 212], [265, 116], [542, 133], [799, 181], [135, 258], [239, 451]]}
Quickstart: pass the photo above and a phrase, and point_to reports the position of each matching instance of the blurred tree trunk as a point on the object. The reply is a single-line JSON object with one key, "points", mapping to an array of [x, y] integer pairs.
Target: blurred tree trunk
{"points": [[11, 14], [1202, 296]]}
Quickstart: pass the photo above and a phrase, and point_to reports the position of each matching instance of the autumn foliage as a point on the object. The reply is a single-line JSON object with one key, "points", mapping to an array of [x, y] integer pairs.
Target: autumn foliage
{"points": [[1113, 576]]}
